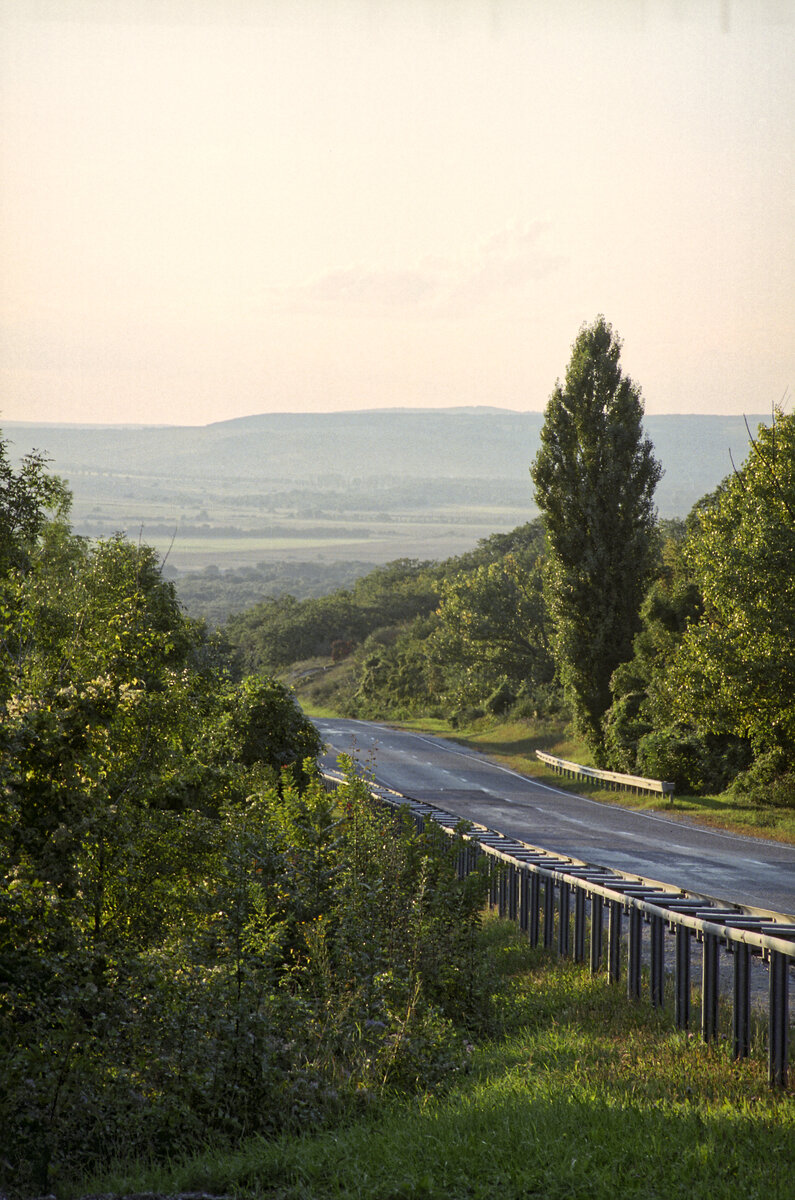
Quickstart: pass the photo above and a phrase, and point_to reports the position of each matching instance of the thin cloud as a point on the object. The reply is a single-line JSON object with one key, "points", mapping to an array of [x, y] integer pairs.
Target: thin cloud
{"points": [[371, 287], [498, 268]]}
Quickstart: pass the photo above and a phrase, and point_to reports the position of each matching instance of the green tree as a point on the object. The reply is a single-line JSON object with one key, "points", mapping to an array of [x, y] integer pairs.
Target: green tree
{"points": [[595, 476], [671, 602], [27, 497], [734, 672], [492, 622]]}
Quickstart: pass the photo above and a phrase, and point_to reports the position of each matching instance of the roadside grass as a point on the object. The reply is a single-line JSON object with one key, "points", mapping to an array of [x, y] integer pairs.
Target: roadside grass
{"points": [[581, 1095]]}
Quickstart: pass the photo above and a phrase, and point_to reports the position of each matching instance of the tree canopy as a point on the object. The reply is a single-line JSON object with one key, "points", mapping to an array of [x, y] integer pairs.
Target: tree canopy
{"points": [[28, 496], [197, 940], [734, 671]]}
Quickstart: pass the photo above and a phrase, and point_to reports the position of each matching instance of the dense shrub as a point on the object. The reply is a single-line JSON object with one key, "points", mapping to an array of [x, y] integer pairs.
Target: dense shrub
{"points": [[501, 699], [670, 755], [768, 783], [693, 763], [313, 952]]}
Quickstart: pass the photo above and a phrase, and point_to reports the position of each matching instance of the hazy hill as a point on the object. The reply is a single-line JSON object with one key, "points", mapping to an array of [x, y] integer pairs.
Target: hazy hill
{"points": [[369, 485]]}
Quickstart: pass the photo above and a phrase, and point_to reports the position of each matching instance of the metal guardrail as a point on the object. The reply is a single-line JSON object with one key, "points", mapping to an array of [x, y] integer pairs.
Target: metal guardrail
{"points": [[631, 782], [565, 902]]}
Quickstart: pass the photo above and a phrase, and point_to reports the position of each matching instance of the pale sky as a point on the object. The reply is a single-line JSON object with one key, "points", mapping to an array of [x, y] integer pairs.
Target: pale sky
{"points": [[213, 208]]}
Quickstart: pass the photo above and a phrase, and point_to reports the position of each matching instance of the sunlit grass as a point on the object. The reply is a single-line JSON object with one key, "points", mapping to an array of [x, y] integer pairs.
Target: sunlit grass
{"points": [[584, 1094]]}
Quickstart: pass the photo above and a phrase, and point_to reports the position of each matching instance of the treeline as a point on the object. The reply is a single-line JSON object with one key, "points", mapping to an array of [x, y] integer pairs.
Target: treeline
{"points": [[197, 941], [421, 636], [213, 594]]}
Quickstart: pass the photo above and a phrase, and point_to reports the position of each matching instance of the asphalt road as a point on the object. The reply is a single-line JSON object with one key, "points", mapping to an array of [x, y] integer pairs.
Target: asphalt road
{"points": [[747, 871]]}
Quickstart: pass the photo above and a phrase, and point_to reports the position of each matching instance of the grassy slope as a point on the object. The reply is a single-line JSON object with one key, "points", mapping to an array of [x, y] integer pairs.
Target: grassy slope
{"points": [[584, 1095]]}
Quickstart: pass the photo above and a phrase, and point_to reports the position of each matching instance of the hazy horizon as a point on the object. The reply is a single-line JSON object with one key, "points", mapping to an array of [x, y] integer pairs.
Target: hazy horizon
{"points": [[212, 209], [350, 412]]}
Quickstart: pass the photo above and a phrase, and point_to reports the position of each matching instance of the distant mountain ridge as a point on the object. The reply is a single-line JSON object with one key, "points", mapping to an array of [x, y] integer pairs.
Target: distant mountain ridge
{"points": [[696, 451]]}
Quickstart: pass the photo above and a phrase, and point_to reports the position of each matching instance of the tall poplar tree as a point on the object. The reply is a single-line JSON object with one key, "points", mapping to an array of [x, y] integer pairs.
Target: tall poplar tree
{"points": [[595, 476]]}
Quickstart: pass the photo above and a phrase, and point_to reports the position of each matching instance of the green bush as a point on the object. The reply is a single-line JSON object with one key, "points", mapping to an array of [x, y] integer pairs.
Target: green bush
{"points": [[768, 783], [693, 763], [312, 952], [669, 755], [465, 716], [501, 699]]}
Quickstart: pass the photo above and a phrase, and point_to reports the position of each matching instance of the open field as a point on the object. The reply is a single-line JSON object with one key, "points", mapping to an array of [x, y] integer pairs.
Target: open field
{"points": [[234, 539]]}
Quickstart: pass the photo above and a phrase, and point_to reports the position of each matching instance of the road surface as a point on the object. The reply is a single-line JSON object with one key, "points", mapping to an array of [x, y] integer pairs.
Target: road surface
{"points": [[748, 871]]}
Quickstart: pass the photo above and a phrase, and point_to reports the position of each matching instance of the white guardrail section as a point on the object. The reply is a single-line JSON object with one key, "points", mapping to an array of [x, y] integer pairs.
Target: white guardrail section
{"points": [[562, 901], [630, 782]]}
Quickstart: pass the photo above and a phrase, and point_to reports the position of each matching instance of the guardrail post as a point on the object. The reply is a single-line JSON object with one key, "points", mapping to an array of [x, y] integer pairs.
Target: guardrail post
{"points": [[657, 961], [741, 1020], [493, 882], [682, 977], [709, 988], [579, 925], [614, 941], [778, 1025], [563, 920], [502, 888], [596, 933], [549, 911], [535, 898], [634, 953], [524, 898], [513, 881]]}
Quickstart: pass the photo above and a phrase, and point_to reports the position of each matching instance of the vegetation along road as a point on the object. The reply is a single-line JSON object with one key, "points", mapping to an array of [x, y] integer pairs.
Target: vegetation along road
{"points": [[723, 865]]}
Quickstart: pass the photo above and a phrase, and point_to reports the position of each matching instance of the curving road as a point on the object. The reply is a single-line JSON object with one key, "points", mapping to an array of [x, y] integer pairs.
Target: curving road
{"points": [[725, 866]]}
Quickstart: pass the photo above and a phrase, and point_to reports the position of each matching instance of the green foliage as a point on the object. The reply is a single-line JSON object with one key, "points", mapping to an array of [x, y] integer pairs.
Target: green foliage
{"points": [[127, 753], [311, 951], [673, 600], [734, 671], [674, 755], [27, 495], [583, 1094], [595, 476], [768, 783], [401, 671], [642, 735], [196, 939], [501, 700], [420, 636], [492, 624], [262, 724], [283, 630]]}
